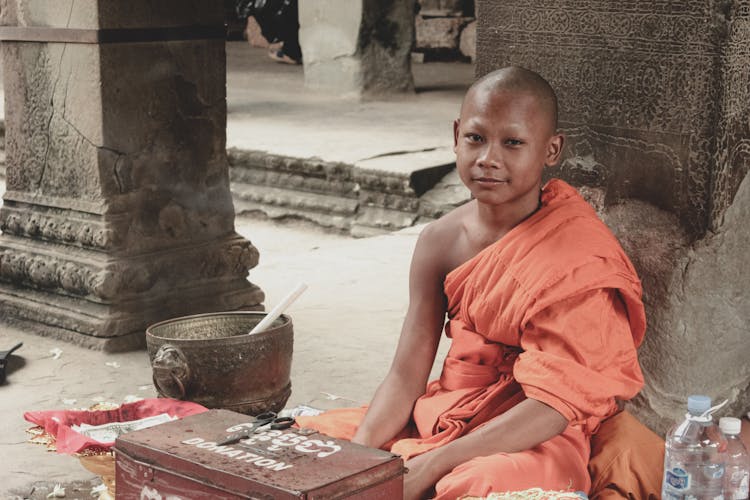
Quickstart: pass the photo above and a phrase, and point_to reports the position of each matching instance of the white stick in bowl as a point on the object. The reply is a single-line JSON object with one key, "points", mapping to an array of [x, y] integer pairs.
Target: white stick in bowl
{"points": [[280, 308]]}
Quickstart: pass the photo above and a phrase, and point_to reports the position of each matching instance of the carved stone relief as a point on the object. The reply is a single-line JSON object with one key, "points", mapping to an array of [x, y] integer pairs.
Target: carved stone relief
{"points": [[655, 100], [117, 212], [631, 69]]}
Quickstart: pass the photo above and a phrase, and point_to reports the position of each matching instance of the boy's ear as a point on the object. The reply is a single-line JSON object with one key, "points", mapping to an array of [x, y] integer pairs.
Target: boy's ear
{"points": [[554, 150], [456, 125]]}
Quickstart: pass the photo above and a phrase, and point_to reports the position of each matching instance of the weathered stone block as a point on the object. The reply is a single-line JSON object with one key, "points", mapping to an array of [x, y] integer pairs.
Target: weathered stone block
{"points": [[448, 6], [353, 199], [257, 167], [117, 177], [468, 41], [296, 200], [58, 14], [296, 182], [374, 180], [309, 167], [384, 218], [438, 32], [341, 222], [390, 201], [446, 195], [698, 333], [44, 134]]}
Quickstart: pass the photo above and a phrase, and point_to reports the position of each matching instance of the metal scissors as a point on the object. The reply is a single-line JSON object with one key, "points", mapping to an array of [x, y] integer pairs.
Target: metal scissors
{"points": [[264, 421]]}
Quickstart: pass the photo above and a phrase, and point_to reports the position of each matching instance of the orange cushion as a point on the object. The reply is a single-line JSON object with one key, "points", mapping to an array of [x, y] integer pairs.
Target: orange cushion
{"points": [[627, 460]]}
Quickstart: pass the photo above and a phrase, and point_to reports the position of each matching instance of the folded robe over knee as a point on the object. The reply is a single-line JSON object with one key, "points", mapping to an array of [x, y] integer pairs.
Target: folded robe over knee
{"points": [[552, 311]]}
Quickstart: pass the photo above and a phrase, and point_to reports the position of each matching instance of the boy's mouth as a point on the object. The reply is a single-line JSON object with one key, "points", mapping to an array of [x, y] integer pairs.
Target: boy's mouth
{"points": [[490, 180]]}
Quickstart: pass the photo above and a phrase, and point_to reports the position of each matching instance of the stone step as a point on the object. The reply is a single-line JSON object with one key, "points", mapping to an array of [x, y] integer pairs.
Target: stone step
{"points": [[330, 212], [372, 197]]}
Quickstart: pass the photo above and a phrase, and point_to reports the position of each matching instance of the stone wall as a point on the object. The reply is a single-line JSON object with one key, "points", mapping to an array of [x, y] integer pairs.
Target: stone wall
{"points": [[340, 196], [654, 101], [733, 132]]}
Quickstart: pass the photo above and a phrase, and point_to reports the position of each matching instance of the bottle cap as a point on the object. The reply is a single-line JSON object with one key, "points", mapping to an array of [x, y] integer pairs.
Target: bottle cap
{"points": [[698, 404], [730, 425]]}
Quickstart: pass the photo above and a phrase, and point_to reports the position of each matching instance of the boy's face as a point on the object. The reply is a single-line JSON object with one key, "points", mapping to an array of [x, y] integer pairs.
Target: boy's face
{"points": [[502, 141]]}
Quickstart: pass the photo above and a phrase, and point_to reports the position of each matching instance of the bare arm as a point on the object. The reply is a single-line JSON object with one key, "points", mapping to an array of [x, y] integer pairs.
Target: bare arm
{"points": [[524, 426], [391, 407]]}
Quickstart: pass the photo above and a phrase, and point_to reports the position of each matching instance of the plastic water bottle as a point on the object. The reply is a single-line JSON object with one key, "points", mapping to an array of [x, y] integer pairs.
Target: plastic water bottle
{"points": [[737, 475], [695, 455]]}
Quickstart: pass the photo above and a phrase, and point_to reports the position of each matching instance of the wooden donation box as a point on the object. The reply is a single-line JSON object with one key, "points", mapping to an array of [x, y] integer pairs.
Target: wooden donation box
{"points": [[182, 460]]}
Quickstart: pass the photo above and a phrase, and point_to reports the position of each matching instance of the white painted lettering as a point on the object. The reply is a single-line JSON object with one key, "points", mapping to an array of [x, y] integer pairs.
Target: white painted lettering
{"points": [[265, 462], [239, 427], [237, 454], [318, 446], [150, 494], [279, 466], [222, 449], [232, 453]]}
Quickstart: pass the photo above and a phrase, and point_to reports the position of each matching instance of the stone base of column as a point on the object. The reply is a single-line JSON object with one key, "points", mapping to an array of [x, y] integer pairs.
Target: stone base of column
{"points": [[70, 319], [105, 300]]}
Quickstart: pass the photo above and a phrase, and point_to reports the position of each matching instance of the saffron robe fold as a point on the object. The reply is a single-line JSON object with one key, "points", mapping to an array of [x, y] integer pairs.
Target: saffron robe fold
{"points": [[552, 311]]}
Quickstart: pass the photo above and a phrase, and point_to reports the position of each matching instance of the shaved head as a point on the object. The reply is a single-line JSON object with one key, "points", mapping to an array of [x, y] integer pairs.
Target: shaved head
{"points": [[521, 80]]}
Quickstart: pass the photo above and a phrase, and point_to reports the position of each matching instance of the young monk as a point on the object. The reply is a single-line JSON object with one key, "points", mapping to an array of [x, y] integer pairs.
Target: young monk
{"points": [[544, 312]]}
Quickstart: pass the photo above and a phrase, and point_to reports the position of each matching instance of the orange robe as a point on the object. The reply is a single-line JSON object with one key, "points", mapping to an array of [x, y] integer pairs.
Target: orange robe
{"points": [[552, 311]]}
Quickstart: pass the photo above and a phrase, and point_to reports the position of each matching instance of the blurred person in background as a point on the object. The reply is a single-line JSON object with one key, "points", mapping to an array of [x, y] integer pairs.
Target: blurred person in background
{"points": [[279, 25]]}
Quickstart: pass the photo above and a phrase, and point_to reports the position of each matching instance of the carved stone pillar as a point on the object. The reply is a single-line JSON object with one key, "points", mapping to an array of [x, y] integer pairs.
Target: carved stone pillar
{"points": [[357, 47], [117, 212], [655, 98]]}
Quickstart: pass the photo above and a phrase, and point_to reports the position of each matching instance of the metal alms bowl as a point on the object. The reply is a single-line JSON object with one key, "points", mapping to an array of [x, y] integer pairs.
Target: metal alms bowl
{"points": [[211, 359]]}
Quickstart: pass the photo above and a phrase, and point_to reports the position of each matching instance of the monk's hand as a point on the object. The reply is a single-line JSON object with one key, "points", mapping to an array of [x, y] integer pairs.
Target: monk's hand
{"points": [[419, 481]]}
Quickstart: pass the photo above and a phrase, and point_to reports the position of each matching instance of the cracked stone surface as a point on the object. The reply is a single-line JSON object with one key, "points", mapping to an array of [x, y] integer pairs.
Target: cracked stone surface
{"points": [[117, 178], [699, 335]]}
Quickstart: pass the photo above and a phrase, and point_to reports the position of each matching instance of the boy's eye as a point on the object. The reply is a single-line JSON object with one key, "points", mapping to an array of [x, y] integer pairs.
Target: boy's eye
{"points": [[474, 137], [513, 142]]}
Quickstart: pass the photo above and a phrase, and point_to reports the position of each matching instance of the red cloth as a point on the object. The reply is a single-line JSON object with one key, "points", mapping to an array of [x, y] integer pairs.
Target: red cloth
{"points": [[59, 423], [551, 311]]}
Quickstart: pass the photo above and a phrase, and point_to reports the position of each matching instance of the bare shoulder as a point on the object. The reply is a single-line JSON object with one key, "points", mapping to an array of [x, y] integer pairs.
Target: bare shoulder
{"points": [[441, 241], [446, 229]]}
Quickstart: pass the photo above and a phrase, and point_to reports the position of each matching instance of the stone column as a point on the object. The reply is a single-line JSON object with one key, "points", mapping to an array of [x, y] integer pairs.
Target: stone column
{"points": [[117, 212], [654, 100], [357, 47]]}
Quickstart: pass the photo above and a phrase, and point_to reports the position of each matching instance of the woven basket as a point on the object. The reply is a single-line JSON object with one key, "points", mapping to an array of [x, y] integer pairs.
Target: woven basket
{"points": [[103, 465]]}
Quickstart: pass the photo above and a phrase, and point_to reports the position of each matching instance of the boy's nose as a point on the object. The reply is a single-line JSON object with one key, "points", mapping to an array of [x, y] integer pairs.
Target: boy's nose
{"points": [[490, 156]]}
